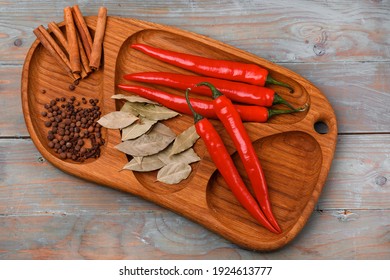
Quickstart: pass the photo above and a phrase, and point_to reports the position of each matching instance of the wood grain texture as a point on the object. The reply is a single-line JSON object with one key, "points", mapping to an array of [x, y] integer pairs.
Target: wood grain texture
{"points": [[357, 180], [341, 46], [360, 172], [291, 137], [49, 190], [12, 121], [298, 31], [360, 234], [360, 98], [358, 92]]}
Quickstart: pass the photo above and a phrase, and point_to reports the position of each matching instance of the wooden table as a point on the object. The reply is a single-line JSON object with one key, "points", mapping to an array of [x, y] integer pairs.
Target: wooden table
{"points": [[343, 47]]}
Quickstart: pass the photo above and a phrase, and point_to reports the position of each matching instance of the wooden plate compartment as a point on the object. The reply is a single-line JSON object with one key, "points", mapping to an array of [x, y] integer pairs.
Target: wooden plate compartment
{"points": [[296, 159]]}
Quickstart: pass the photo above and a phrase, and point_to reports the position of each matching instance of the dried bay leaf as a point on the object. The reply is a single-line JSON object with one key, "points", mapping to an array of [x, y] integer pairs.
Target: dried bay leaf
{"points": [[162, 129], [133, 98], [188, 156], [149, 163], [144, 145], [137, 128], [185, 140], [150, 143], [152, 111], [174, 173], [127, 107], [117, 120], [138, 159]]}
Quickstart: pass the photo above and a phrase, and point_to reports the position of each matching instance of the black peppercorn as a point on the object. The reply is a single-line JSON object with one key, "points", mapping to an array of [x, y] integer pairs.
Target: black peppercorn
{"points": [[70, 123]]}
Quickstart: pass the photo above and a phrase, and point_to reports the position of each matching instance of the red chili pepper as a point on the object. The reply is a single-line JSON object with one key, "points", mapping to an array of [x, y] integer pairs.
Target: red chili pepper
{"points": [[206, 108], [231, 120], [226, 167], [235, 91], [223, 69]]}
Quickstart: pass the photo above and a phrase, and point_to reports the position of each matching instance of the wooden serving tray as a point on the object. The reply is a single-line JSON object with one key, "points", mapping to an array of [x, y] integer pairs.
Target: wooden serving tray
{"points": [[295, 157]]}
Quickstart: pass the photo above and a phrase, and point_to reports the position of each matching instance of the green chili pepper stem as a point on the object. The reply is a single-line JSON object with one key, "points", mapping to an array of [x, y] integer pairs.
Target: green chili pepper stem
{"points": [[274, 112], [280, 100], [197, 117], [215, 92], [272, 81]]}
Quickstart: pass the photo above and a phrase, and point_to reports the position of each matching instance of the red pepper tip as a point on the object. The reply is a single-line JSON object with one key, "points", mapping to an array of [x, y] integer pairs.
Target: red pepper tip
{"points": [[277, 227], [126, 76], [135, 45]]}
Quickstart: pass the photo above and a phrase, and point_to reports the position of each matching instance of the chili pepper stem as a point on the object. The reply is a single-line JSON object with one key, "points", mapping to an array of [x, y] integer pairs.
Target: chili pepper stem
{"points": [[272, 81], [215, 92], [280, 100], [274, 112], [197, 117]]}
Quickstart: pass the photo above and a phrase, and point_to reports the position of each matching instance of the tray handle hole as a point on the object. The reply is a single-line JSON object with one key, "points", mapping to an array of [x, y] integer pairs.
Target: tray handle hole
{"points": [[321, 127]]}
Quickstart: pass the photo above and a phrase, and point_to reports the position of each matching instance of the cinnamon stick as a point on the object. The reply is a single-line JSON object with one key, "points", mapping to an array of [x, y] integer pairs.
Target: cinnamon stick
{"points": [[83, 73], [97, 45], [52, 47], [84, 59], [73, 46], [59, 35], [54, 44], [85, 69], [82, 27]]}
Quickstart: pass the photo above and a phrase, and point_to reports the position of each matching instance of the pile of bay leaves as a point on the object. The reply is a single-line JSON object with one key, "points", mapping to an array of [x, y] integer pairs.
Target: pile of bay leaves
{"points": [[151, 144]]}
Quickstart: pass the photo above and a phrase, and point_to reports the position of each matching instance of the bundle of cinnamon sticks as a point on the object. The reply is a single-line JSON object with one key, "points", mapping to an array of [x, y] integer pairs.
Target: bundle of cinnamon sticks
{"points": [[75, 50]]}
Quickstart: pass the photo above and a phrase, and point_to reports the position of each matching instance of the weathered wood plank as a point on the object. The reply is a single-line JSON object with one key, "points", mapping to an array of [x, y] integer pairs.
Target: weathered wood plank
{"points": [[29, 184], [286, 31], [359, 179], [361, 234], [360, 174], [358, 92], [11, 121], [342, 47]]}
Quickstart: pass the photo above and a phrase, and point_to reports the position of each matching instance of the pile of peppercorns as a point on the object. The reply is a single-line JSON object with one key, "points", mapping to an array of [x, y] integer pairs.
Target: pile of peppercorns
{"points": [[74, 131]]}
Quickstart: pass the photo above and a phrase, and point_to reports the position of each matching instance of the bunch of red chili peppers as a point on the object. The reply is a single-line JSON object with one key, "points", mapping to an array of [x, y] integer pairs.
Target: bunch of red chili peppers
{"points": [[226, 82]]}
